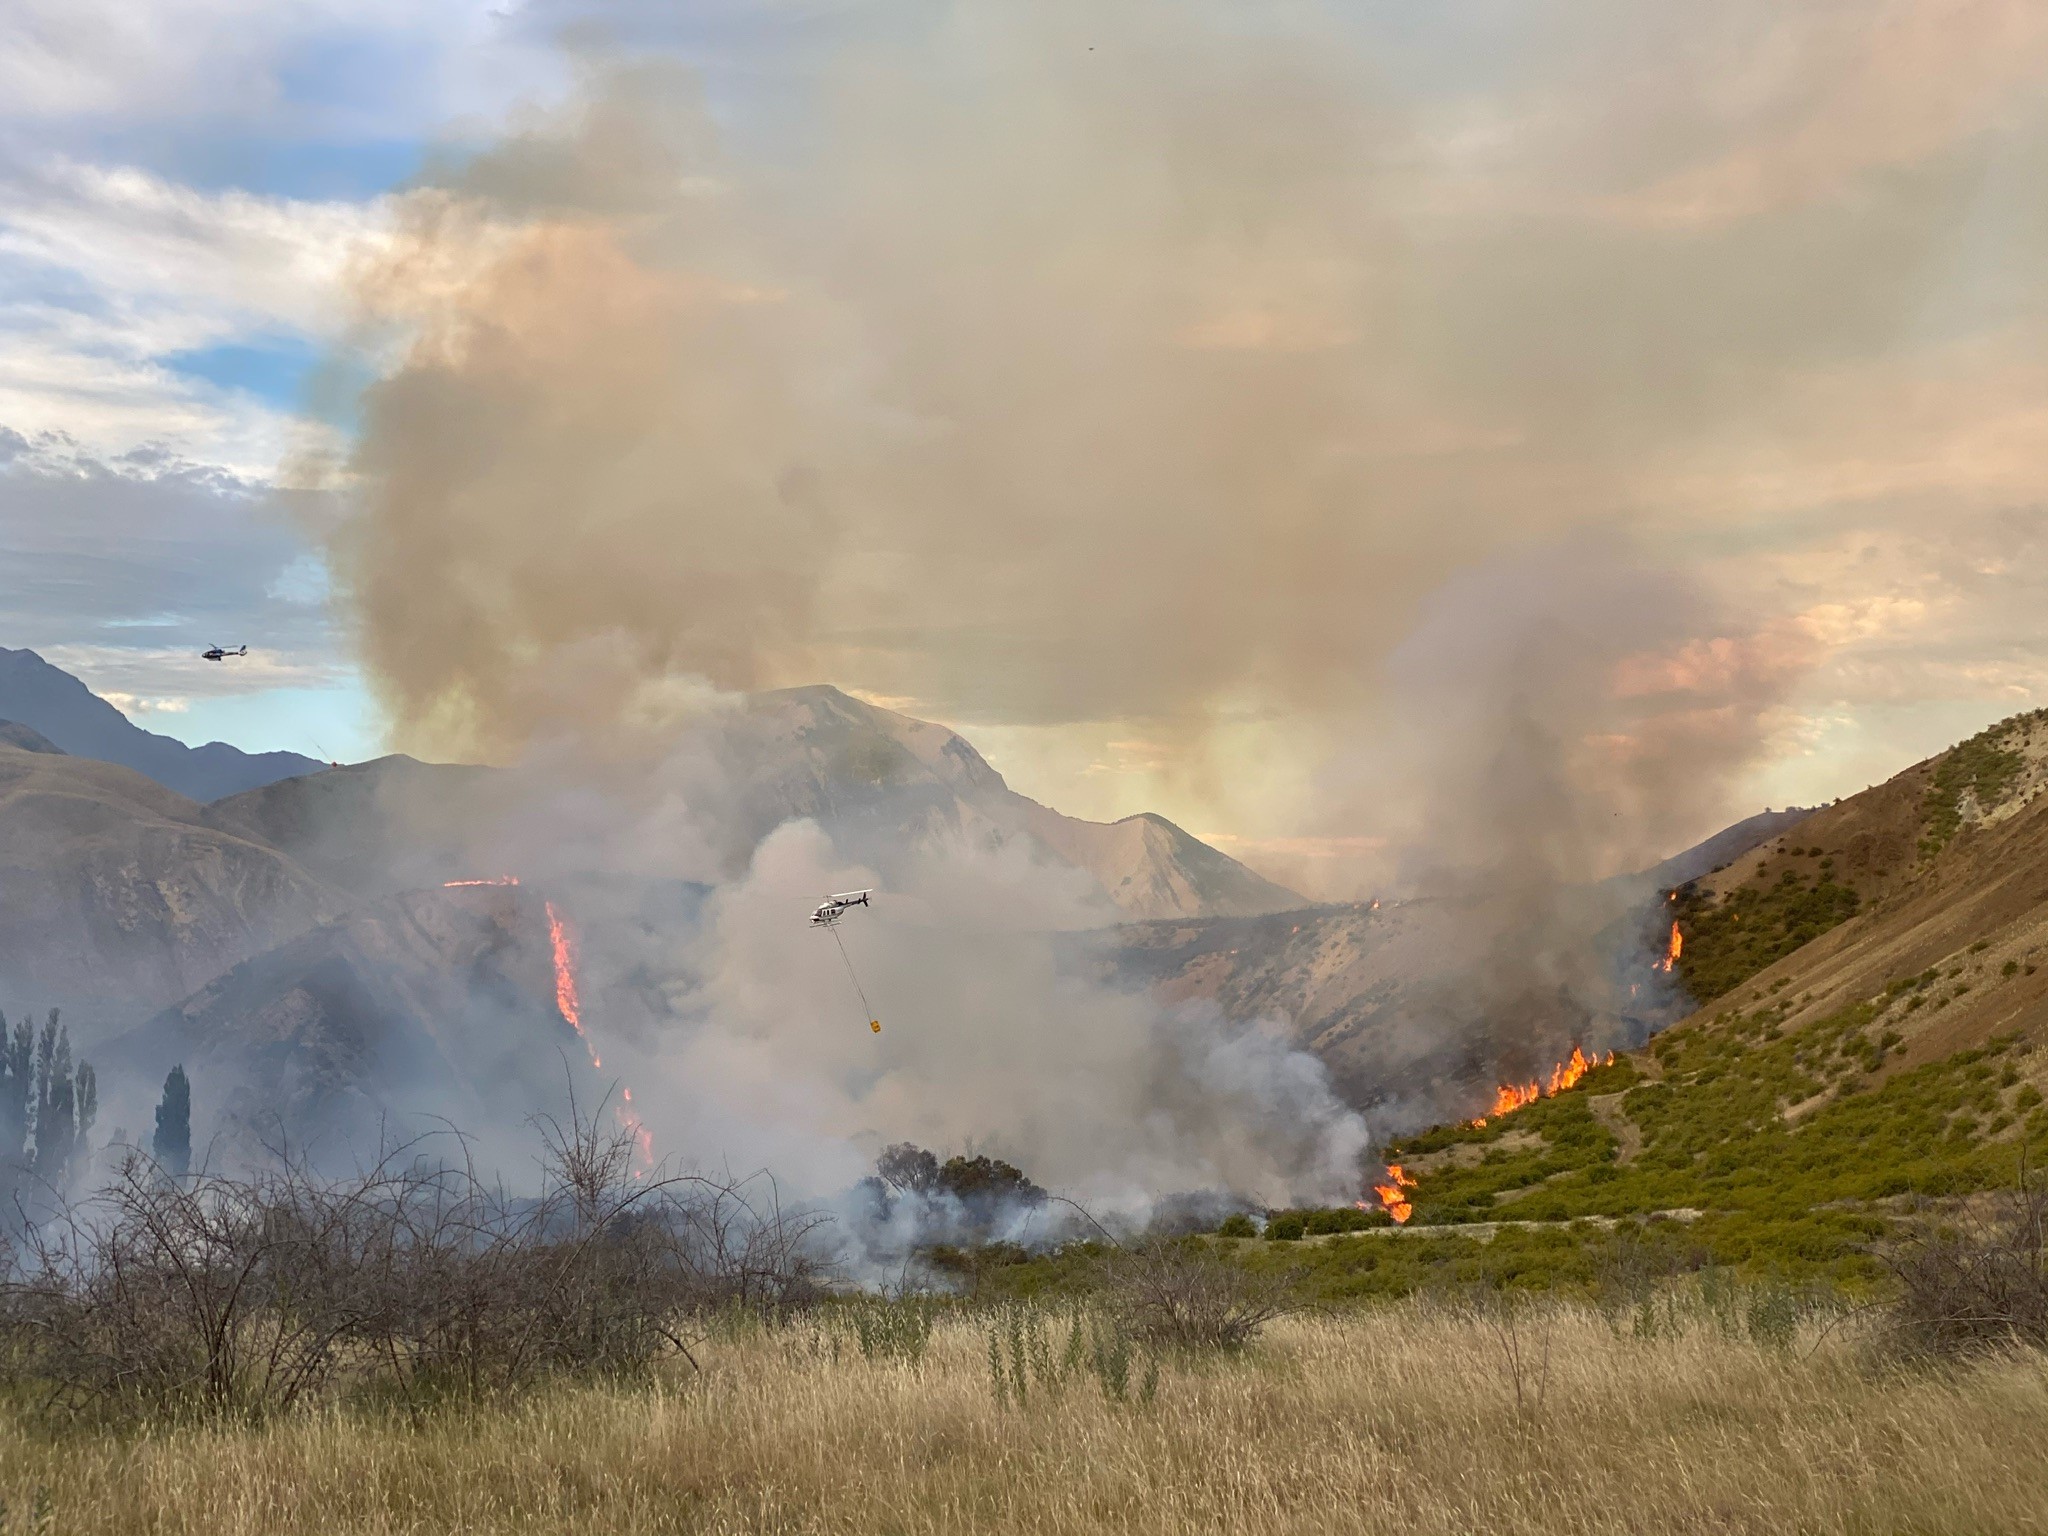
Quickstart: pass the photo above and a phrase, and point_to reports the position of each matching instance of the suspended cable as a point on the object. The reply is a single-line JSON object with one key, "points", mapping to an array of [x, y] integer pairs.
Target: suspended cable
{"points": [[866, 1007]]}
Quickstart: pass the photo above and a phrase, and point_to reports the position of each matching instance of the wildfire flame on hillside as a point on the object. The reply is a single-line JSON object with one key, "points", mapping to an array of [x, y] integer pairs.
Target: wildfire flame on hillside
{"points": [[1393, 1195], [1671, 955], [569, 1003], [450, 885], [1510, 1097]]}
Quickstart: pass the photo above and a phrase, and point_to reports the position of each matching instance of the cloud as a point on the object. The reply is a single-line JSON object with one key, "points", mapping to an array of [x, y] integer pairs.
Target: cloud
{"points": [[121, 570], [289, 66], [114, 272]]}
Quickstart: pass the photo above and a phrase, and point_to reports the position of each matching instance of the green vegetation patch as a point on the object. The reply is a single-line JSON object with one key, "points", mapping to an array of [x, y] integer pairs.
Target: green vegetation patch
{"points": [[1983, 765], [1799, 1193], [1730, 940]]}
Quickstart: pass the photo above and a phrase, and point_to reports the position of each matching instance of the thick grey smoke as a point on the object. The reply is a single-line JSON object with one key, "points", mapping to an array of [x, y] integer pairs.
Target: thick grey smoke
{"points": [[743, 1034], [1554, 723], [1065, 363], [987, 1042]]}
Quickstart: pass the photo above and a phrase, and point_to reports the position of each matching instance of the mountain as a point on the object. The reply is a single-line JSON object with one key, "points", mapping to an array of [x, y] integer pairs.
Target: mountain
{"points": [[868, 772], [1951, 829], [885, 785], [117, 894], [427, 1003], [75, 719], [1722, 849], [1944, 865]]}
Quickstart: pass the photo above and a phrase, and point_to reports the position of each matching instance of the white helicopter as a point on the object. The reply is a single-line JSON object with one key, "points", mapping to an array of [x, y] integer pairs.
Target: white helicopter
{"points": [[827, 915], [833, 908]]}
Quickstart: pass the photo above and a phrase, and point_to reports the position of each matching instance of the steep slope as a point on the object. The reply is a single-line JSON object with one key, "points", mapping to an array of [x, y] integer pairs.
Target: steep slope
{"points": [[1897, 1056], [117, 896], [428, 1003], [1874, 847], [1723, 848], [75, 719], [14, 734]]}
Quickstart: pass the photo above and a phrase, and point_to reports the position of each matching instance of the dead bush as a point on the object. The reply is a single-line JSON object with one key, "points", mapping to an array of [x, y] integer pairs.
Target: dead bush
{"points": [[247, 1294], [1180, 1295], [1978, 1282]]}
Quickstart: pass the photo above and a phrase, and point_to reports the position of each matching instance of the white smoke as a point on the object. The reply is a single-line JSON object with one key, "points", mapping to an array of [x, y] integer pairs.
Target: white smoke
{"points": [[762, 1056]]}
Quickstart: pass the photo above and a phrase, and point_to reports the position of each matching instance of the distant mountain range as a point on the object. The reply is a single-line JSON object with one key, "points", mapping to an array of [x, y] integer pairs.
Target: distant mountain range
{"points": [[887, 787], [295, 938], [121, 895], [76, 720]]}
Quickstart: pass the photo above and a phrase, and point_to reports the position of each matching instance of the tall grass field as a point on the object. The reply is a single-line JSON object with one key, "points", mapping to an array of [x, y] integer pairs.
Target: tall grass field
{"points": [[1411, 1417]]}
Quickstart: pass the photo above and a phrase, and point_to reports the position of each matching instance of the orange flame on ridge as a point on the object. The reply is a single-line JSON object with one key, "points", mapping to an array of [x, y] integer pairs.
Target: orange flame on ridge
{"points": [[450, 885], [1671, 955], [1510, 1097]]}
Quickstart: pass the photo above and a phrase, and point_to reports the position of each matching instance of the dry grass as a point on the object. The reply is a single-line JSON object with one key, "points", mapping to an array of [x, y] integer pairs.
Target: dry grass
{"points": [[1400, 1420]]}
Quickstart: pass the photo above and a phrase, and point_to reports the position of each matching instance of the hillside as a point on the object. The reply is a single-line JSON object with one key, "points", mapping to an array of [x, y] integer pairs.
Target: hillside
{"points": [[76, 720], [375, 828], [1876, 847], [429, 1003], [881, 780], [118, 896], [1898, 1054]]}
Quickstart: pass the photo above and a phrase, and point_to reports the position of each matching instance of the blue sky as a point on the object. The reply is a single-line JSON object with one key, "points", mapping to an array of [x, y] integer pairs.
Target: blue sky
{"points": [[183, 183]]}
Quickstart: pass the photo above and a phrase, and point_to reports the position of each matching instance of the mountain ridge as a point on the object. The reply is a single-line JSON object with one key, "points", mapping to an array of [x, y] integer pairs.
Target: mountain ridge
{"points": [[76, 720]]}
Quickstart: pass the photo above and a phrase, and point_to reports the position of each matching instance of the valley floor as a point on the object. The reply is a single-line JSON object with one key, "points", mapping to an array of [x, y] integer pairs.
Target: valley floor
{"points": [[1399, 1419]]}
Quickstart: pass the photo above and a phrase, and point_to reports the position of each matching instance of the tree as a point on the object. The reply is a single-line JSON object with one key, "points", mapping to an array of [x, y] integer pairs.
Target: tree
{"points": [[65, 1100], [908, 1168], [172, 1144], [987, 1181], [17, 1077], [56, 1102]]}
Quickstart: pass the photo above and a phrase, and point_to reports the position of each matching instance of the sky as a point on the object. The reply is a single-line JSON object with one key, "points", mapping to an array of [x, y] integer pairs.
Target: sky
{"points": [[1136, 389]]}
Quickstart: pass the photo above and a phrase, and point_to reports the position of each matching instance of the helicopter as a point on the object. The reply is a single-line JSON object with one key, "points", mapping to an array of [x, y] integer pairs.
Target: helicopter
{"points": [[826, 915], [833, 908], [221, 653]]}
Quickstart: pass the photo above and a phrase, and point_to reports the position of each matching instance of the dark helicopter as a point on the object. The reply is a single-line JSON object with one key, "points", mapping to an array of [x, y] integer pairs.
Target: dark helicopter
{"points": [[221, 653]]}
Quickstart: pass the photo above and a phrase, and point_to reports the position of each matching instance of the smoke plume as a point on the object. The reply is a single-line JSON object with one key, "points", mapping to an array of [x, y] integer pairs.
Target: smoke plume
{"points": [[1055, 364]]}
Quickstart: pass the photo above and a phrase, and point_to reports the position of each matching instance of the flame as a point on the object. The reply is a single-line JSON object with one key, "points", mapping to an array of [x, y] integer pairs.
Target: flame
{"points": [[1510, 1097], [1393, 1195], [569, 1003], [449, 885], [1671, 955]]}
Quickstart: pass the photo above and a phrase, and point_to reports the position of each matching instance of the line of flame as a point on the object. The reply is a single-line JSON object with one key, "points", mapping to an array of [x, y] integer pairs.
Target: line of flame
{"points": [[1510, 1097], [570, 1005], [449, 885]]}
